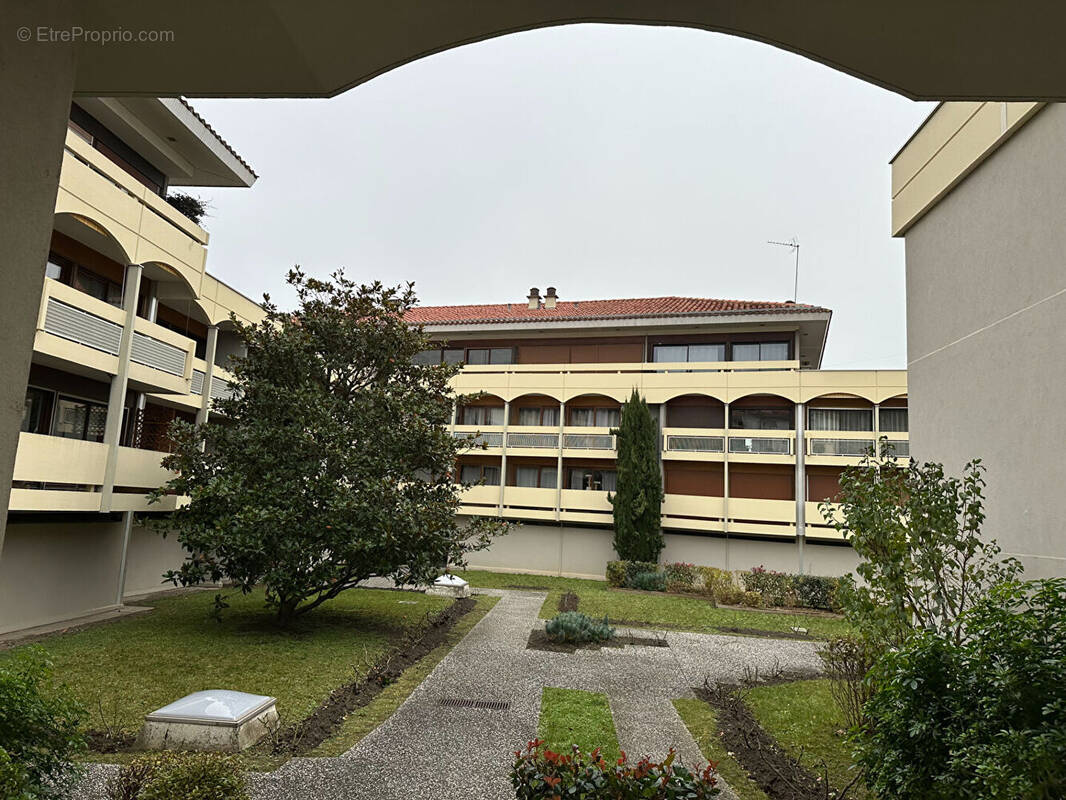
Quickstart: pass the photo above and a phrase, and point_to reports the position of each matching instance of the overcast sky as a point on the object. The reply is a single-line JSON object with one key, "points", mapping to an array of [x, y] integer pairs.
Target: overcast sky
{"points": [[607, 161]]}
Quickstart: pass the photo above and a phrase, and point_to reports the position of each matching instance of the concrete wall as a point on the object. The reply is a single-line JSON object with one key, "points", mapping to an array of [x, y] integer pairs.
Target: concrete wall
{"points": [[53, 571], [584, 552], [986, 318]]}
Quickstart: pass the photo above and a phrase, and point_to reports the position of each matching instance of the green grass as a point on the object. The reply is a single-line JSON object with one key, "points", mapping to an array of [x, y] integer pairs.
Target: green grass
{"points": [[363, 720], [804, 719], [700, 720], [571, 716], [122, 670], [654, 609]]}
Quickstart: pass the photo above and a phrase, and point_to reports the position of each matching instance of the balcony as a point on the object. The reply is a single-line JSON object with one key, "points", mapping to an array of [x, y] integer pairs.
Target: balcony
{"points": [[480, 438], [579, 441], [78, 328], [849, 447], [767, 446], [694, 444]]}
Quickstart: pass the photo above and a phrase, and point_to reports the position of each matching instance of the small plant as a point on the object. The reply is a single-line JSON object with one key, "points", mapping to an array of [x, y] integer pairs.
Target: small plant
{"points": [[847, 661], [680, 577], [649, 582], [752, 599], [815, 591], [39, 729], [193, 207], [539, 773], [568, 601], [179, 776], [775, 587], [730, 595], [712, 581], [576, 628], [616, 573]]}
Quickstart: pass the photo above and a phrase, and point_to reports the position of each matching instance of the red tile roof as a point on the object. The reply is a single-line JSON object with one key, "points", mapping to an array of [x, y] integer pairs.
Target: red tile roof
{"points": [[576, 310]]}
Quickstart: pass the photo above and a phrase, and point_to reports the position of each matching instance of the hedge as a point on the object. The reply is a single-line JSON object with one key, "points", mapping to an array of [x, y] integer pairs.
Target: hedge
{"points": [[757, 587]]}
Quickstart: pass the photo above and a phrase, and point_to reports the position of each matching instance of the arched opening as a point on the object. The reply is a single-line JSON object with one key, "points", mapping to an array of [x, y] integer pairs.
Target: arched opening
{"points": [[593, 411], [762, 412], [840, 412], [695, 411], [534, 410], [84, 254], [484, 410]]}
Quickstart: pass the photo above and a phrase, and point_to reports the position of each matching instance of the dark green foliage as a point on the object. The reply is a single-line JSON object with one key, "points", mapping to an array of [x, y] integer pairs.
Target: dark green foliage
{"points": [[648, 582], [616, 573], [680, 577], [333, 461], [638, 500], [191, 206], [775, 587], [816, 591], [539, 773], [180, 776], [39, 729], [980, 716], [917, 531], [575, 627]]}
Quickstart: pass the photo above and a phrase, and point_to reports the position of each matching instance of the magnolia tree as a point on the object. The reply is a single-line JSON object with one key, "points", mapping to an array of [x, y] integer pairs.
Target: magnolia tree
{"points": [[918, 533], [638, 500], [331, 462]]}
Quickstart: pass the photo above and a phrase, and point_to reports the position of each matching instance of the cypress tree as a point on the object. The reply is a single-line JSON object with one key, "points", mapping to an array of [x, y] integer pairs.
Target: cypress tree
{"points": [[639, 493]]}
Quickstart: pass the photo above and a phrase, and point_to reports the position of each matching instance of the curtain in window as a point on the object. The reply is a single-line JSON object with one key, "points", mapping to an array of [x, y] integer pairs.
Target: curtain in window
{"points": [[526, 476], [773, 351], [492, 476], [577, 478], [840, 419], [893, 420], [608, 417], [550, 416], [529, 416], [583, 417], [493, 415], [610, 480], [670, 353], [706, 352], [470, 474], [547, 477], [745, 352]]}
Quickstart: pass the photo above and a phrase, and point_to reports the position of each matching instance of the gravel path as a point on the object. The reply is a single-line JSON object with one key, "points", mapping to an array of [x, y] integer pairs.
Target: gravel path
{"points": [[425, 750]]}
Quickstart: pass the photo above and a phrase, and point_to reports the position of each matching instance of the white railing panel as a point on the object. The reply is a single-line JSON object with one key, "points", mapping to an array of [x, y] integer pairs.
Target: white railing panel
{"points": [[541, 440], [79, 326], [760, 445], [158, 355], [696, 444]]}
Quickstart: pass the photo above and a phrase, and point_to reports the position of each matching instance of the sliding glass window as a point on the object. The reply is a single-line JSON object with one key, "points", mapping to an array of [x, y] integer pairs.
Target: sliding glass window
{"points": [[840, 419]]}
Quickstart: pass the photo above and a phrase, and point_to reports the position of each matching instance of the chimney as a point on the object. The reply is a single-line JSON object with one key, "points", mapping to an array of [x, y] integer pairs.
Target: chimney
{"points": [[551, 298], [534, 298]]}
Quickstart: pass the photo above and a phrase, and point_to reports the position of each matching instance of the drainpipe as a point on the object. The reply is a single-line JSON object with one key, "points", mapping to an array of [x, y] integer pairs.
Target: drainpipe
{"points": [[559, 467], [209, 373], [801, 480], [503, 456], [117, 398], [725, 486]]}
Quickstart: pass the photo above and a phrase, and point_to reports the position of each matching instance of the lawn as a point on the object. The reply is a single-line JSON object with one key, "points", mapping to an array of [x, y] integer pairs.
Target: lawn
{"points": [[656, 609], [699, 718], [571, 716], [122, 670], [804, 719]]}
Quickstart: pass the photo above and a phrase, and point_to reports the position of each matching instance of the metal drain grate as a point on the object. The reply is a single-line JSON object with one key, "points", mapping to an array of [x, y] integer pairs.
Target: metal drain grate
{"points": [[487, 705]]}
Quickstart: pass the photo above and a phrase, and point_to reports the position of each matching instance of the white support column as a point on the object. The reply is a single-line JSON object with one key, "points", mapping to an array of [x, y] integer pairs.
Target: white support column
{"points": [[503, 456], [559, 470], [801, 481], [117, 398], [725, 486], [209, 373], [877, 428], [127, 530]]}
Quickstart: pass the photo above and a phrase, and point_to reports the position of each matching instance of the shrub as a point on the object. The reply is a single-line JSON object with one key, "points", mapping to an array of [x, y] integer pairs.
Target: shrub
{"points": [[14, 783], [847, 661], [616, 573], [816, 591], [649, 582], [39, 728], [573, 626], [775, 587], [541, 773], [180, 776], [195, 208], [714, 580], [680, 577], [731, 595], [568, 601], [638, 498], [977, 717], [753, 599]]}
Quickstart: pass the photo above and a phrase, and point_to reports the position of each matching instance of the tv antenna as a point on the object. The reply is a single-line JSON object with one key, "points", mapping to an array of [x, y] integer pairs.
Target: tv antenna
{"points": [[794, 244]]}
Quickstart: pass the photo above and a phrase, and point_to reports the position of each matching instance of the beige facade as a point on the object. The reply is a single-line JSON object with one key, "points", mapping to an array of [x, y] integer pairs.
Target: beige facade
{"points": [[986, 293]]}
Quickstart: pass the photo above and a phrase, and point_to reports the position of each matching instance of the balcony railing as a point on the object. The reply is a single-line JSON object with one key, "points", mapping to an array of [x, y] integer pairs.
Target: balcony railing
{"points": [[480, 439], [696, 444], [588, 441], [840, 447], [548, 441], [764, 445], [901, 448]]}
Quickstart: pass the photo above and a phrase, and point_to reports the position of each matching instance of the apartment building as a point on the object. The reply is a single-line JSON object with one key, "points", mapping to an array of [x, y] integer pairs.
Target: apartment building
{"points": [[978, 194], [131, 334], [753, 433]]}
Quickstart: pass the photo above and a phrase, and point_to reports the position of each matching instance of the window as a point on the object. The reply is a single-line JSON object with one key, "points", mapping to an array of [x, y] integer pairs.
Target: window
{"points": [[893, 420], [761, 351], [474, 473], [80, 419], [490, 355], [840, 419], [595, 417], [428, 357], [688, 352], [593, 480], [538, 416], [481, 415], [535, 477], [98, 286], [453, 355], [37, 413], [761, 419]]}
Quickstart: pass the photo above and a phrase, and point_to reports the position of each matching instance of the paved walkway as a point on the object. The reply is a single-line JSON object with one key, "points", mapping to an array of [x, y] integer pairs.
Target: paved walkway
{"points": [[424, 750]]}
